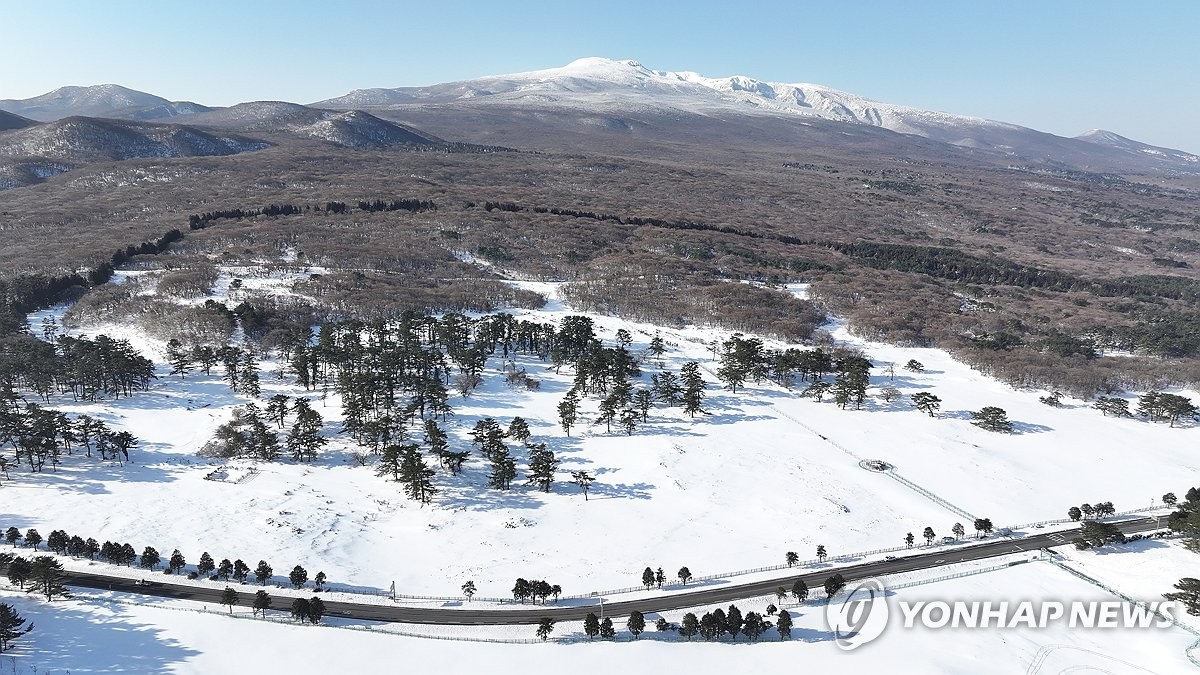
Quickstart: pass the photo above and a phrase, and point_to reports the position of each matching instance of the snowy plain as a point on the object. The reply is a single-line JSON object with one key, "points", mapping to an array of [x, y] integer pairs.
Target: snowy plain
{"points": [[766, 472]]}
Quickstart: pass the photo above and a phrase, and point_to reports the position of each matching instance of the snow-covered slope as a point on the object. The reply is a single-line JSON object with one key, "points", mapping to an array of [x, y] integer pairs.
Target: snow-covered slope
{"points": [[352, 129], [95, 101], [628, 87], [1119, 142], [90, 139]]}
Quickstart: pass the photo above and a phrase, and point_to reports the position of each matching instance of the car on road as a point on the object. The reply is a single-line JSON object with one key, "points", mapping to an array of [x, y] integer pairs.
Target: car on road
{"points": [[889, 557]]}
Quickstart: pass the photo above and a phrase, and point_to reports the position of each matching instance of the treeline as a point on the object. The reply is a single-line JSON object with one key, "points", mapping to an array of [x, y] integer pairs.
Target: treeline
{"points": [[40, 436], [201, 220], [85, 368]]}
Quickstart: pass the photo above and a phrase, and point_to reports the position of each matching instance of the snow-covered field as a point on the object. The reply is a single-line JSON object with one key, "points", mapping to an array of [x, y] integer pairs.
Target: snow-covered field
{"points": [[97, 634], [767, 472]]}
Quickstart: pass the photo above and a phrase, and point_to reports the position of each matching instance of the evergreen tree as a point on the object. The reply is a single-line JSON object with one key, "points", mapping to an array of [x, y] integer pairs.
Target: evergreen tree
{"points": [[800, 590], [929, 536], [519, 429], [178, 358], [12, 626], [19, 570], [660, 577], [229, 597], [591, 625], [666, 389], [909, 539], [11, 535], [176, 562], [305, 439], [300, 609], [277, 409], [416, 477], [833, 585], [689, 626], [791, 558], [753, 626], [224, 569], [647, 578], [568, 411], [607, 631], [263, 572], [468, 589], [927, 403], [298, 576], [504, 469], [992, 418], [583, 480], [46, 577], [150, 558], [1112, 406], [684, 574], [958, 530], [206, 564], [316, 610], [545, 628], [1074, 513], [693, 389], [733, 621], [783, 624], [262, 602], [32, 538], [636, 623], [821, 554], [542, 466], [1187, 593]]}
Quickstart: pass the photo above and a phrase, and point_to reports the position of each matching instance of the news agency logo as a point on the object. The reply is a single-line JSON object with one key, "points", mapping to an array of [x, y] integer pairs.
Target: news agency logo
{"points": [[860, 616]]}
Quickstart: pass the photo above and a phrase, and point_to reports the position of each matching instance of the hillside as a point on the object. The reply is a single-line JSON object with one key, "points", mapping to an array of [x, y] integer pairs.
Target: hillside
{"points": [[350, 129], [104, 100]]}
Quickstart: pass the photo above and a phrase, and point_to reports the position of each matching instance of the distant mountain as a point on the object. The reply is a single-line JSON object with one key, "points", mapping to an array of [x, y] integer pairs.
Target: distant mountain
{"points": [[79, 139], [103, 100], [1117, 142], [351, 129], [620, 90], [10, 121]]}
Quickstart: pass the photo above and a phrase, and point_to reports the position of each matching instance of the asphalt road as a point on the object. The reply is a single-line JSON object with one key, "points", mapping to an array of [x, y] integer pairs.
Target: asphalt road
{"points": [[710, 594]]}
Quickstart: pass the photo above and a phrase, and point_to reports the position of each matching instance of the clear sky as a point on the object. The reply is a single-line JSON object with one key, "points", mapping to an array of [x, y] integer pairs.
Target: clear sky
{"points": [[1063, 66]]}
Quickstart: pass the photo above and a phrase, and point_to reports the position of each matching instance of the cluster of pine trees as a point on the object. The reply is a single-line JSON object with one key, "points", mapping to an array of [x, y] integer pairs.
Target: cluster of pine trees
{"points": [[86, 368], [41, 436]]}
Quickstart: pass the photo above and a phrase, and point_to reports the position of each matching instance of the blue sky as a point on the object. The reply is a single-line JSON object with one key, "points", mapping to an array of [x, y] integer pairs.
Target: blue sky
{"points": [[1062, 66]]}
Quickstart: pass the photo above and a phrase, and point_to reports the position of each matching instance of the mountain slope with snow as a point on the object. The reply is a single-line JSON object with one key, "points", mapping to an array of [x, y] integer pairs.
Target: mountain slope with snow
{"points": [[629, 88]]}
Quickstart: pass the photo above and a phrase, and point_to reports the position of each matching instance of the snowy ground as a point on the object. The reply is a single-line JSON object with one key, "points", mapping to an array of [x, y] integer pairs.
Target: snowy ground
{"points": [[767, 472], [97, 633]]}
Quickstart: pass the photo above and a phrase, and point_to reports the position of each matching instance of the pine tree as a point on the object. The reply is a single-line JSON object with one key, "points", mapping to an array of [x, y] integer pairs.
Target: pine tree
{"points": [[992, 418], [684, 574], [300, 609], [833, 585], [519, 429], [316, 610], [929, 536], [263, 572], [277, 409], [32, 538], [229, 597], [647, 578], [240, 570], [783, 624], [468, 589], [305, 439], [800, 590], [224, 569], [733, 621], [262, 602], [46, 577], [298, 576], [583, 480], [319, 581], [636, 623], [568, 411], [504, 469], [12, 626], [542, 466], [791, 558], [178, 358], [416, 477], [545, 627], [176, 562], [693, 389], [958, 530], [19, 570], [591, 625], [206, 564], [689, 626], [150, 558], [607, 631], [926, 402]]}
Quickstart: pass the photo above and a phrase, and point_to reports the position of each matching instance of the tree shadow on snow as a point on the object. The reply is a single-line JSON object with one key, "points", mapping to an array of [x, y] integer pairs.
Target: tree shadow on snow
{"points": [[70, 640]]}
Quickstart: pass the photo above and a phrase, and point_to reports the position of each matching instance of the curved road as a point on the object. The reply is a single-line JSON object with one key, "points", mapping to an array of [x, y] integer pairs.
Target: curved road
{"points": [[705, 596]]}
